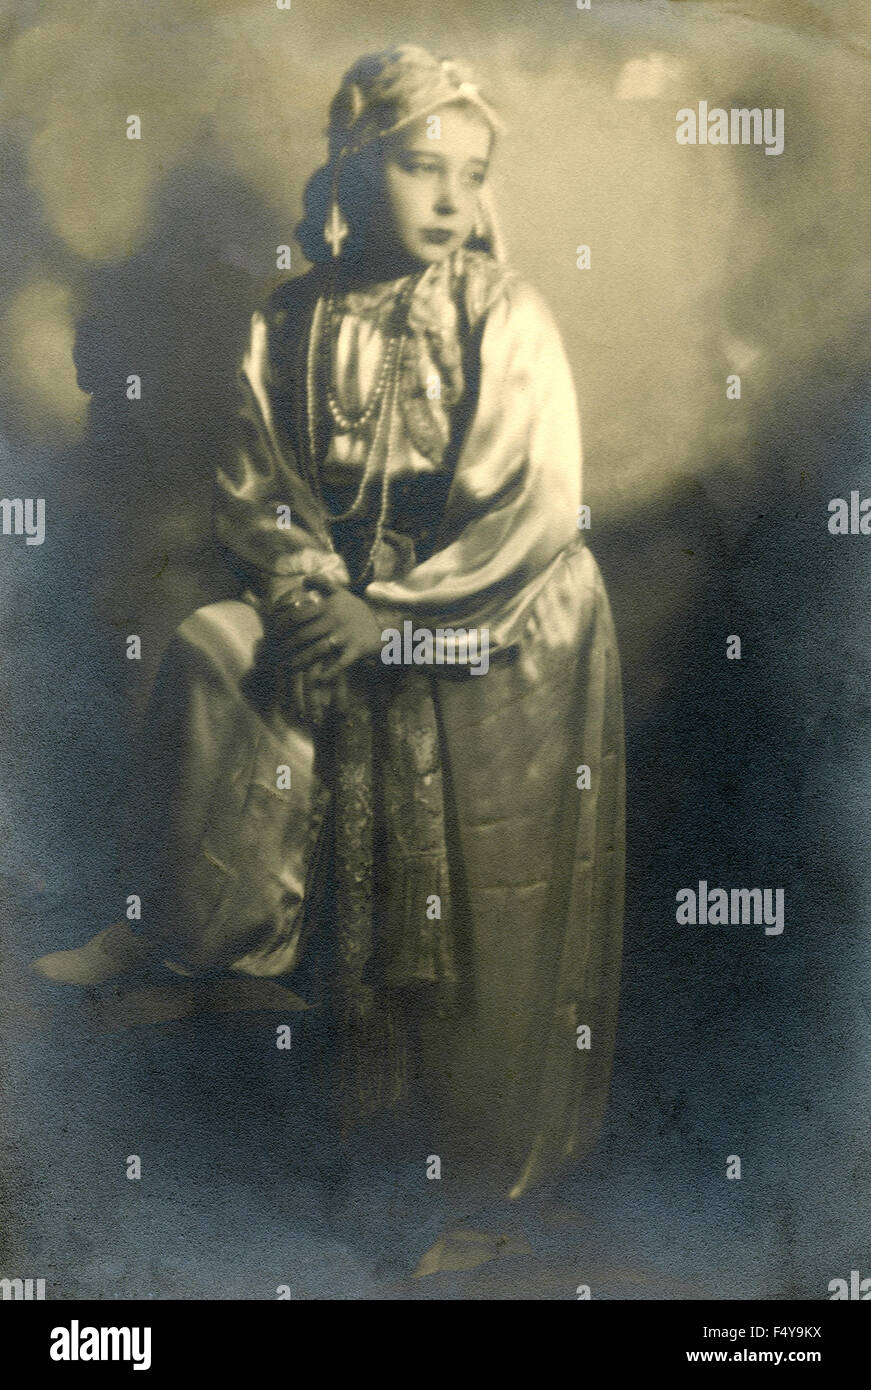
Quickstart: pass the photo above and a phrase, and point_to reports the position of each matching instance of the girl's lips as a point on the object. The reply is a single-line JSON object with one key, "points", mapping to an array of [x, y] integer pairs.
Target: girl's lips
{"points": [[439, 235]]}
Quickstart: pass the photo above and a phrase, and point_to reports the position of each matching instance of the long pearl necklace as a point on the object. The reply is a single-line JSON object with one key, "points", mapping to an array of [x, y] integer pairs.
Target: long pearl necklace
{"points": [[383, 397], [353, 423]]}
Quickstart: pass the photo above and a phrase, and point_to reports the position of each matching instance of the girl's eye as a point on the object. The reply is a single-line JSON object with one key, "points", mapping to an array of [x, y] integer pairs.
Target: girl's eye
{"points": [[477, 178], [421, 166]]}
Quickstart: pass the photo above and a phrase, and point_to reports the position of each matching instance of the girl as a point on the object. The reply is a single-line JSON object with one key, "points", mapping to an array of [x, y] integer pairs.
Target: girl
{"points": [[430, 852]]}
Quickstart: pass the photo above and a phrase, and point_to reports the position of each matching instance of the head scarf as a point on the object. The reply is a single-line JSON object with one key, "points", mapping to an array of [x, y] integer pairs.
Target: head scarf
{"points": [[383, 92]]}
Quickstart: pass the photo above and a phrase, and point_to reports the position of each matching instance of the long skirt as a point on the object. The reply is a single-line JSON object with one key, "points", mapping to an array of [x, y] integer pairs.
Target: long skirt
{"points": [[233, 837]]}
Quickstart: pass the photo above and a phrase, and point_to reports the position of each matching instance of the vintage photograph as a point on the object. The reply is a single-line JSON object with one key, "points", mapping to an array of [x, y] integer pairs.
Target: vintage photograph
{"points": [[435, 496]]}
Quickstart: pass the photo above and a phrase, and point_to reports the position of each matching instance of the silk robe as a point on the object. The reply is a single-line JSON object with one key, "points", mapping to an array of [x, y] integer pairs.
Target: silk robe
{"points": [[535, 863]]}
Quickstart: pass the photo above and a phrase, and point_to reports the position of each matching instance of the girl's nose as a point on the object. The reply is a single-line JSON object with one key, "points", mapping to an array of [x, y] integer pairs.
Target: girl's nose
{"points": [[447, 200]]}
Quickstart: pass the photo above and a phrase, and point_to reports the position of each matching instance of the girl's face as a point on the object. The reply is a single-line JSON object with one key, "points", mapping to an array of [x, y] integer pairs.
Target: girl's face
{"points": [[432, 181]]}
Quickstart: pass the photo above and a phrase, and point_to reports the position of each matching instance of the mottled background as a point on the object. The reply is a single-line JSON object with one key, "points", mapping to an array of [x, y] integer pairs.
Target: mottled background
{"points": [[709, 518]]}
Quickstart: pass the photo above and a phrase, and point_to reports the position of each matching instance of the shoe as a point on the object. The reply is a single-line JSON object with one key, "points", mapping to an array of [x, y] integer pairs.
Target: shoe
{"points": [[111, 952]]}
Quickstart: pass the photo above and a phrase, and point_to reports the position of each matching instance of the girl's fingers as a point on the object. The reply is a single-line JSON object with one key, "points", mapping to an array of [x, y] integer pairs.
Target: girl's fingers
{"points": [[289, 654], [306, 632], [317, 651], [305, 619], [299, 700], [341, 696], [338, 662], [319, 698]]}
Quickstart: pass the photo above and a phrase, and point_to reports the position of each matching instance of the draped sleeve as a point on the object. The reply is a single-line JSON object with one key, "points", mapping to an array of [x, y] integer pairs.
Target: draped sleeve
{"points": [[513, 502], [266, 520]]}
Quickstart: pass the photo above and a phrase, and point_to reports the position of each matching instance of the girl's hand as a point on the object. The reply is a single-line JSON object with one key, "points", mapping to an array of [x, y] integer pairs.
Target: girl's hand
{"points": [[307, 699], [328, 632]]}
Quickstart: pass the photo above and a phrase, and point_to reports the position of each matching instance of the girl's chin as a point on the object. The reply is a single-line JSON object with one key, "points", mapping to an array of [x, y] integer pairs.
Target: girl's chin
{"points": [[394, 262], [431, 254]]}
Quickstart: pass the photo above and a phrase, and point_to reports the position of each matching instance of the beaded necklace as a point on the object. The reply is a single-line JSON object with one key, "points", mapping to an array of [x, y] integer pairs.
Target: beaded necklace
{"points": [[382, 397]]}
